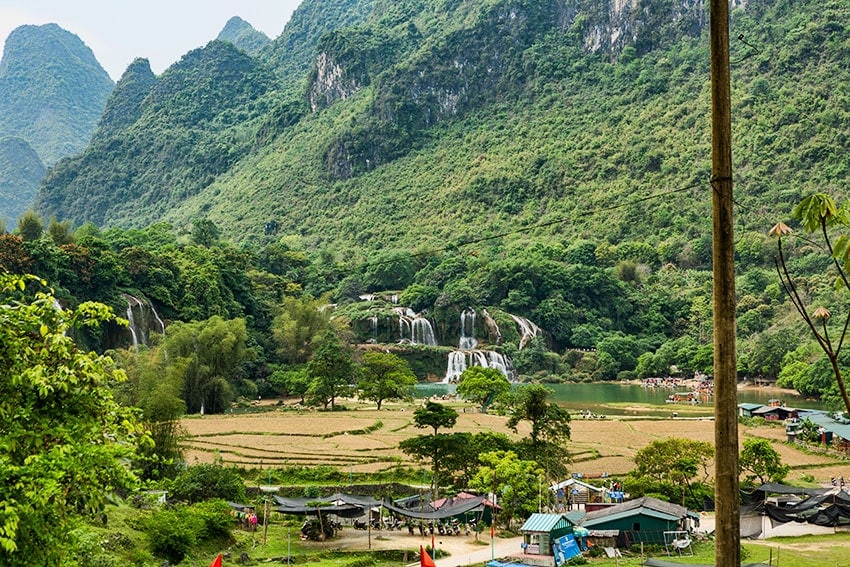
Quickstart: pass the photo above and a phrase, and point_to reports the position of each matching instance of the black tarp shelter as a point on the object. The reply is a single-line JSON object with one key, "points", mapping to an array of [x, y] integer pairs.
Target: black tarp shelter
{"points": [[339, 504]]}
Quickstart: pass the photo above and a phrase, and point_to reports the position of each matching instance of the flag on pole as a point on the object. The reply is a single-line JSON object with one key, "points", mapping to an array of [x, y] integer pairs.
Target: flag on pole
{"points": [[216, 562], [424, 559]]}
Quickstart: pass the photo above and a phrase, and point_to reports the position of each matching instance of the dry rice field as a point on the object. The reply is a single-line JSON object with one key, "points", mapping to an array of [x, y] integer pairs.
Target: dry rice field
{"points": [[362, 439]]}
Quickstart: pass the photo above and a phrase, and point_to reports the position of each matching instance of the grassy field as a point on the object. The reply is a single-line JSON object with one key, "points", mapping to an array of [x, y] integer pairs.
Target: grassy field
{"points": [[361, 439]]}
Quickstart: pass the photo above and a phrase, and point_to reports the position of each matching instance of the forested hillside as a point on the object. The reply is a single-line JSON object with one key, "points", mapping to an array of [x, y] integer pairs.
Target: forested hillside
{"points": [[52, 91], [547, 162]]}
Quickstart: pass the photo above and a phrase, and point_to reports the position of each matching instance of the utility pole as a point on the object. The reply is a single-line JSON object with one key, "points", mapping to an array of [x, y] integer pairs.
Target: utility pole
{"points": [[727, 531]]}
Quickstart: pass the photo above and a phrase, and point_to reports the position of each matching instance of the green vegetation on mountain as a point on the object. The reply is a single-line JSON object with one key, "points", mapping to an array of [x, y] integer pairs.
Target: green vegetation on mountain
{"points": [[473, 120], [52, 91], [21, 172], [243, 35], [523, 157]]}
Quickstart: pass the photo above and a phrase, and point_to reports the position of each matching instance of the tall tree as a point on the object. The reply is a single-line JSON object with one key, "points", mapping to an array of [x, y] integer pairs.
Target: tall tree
{"points": [[300, 321], [331, 372], [550, 425], [65, 439], [515, 482], [759, 460], [209, 355], [482, 385], [385, 376], [435, 416]]}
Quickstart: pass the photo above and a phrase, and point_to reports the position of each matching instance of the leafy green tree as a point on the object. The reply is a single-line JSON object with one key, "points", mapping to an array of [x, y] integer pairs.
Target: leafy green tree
{"points": [[205, 232], [435, 416], [154, 387], [461, 450], [514, 481], [65, 437], [173, 532], [295, 328], [759, 460], [60, 232], [482, 385], [331, 372], [292, 381], [820, 213], [30, 226], [208, 355], [675, 460], [385, 376], [208, 481], [550, 425]]}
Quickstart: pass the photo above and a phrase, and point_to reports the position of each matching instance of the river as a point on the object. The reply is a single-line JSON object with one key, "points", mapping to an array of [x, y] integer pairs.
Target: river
{"points": [[623, 399]]}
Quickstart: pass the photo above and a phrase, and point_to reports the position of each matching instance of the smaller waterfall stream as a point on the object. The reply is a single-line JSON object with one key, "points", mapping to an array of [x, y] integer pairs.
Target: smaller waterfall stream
{"points": [[142, 318]]}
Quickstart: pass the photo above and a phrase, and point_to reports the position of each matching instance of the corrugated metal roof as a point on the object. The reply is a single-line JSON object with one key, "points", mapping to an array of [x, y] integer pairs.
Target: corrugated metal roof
{"points": [[628, 514], [545, 522], [749, 406], [643, 502], [829, 423]]}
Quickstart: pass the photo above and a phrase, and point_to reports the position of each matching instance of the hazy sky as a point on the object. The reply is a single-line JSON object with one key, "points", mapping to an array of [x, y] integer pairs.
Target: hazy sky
{"points": [[118, 31]]}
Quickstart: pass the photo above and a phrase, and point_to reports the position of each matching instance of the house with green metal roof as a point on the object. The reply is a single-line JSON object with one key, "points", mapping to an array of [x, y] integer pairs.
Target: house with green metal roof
{"points": [[746, 409], [642, 520], [540, 530]]}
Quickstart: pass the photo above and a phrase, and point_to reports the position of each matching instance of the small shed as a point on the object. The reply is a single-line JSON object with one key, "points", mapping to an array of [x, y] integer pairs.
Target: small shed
{"points": [[573, 493], [540, 530], [746, 410]]}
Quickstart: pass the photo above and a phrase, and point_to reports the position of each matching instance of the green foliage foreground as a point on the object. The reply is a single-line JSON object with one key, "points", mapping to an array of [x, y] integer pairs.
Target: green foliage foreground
{"points": [[65, 441]]}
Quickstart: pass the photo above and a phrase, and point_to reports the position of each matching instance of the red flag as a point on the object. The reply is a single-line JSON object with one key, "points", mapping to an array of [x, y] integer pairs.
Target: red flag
{"points": [[216, 562], [424, 559]]}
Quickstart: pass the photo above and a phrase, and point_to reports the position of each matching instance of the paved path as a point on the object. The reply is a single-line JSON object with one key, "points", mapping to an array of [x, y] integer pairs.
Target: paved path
{"points": [[481, 555]]}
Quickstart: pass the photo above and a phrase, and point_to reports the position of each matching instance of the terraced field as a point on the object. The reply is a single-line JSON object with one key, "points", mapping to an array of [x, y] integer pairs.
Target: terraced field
{"points": [[362, 439]]}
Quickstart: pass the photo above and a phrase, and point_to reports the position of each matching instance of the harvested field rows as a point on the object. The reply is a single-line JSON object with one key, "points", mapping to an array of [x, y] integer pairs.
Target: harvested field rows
{"points": [[366, 440]]}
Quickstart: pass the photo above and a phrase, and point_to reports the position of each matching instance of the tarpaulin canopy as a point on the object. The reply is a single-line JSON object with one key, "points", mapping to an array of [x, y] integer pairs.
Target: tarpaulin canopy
{"points": [[452, 507], [829, 508], [342, 505]]}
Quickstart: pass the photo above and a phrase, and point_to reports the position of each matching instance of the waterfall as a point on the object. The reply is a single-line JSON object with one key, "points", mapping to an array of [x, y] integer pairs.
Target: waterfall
{"points": [[414, 328], [460, 360], [528, 330], [468, 355], [135, 330], [423, 332], [158, 320], [467, 321], [374, 321], [492, 327], [457, 364], [143, 318]]}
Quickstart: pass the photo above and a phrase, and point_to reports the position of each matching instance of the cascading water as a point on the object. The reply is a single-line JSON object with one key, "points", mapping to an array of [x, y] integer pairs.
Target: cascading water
{"points": [[142, 317], [469, 355], [467, 330], [414, 328], [492, 327], [374, 321], [528, 330]]}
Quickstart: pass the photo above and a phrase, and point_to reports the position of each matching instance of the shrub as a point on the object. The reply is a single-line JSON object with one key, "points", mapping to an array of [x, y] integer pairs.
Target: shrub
{"points": [[208, 481], [172, 533]]}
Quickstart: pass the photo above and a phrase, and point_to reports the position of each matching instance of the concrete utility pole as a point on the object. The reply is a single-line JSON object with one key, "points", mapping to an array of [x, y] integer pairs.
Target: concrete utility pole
{"points": [[727, 531]]}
